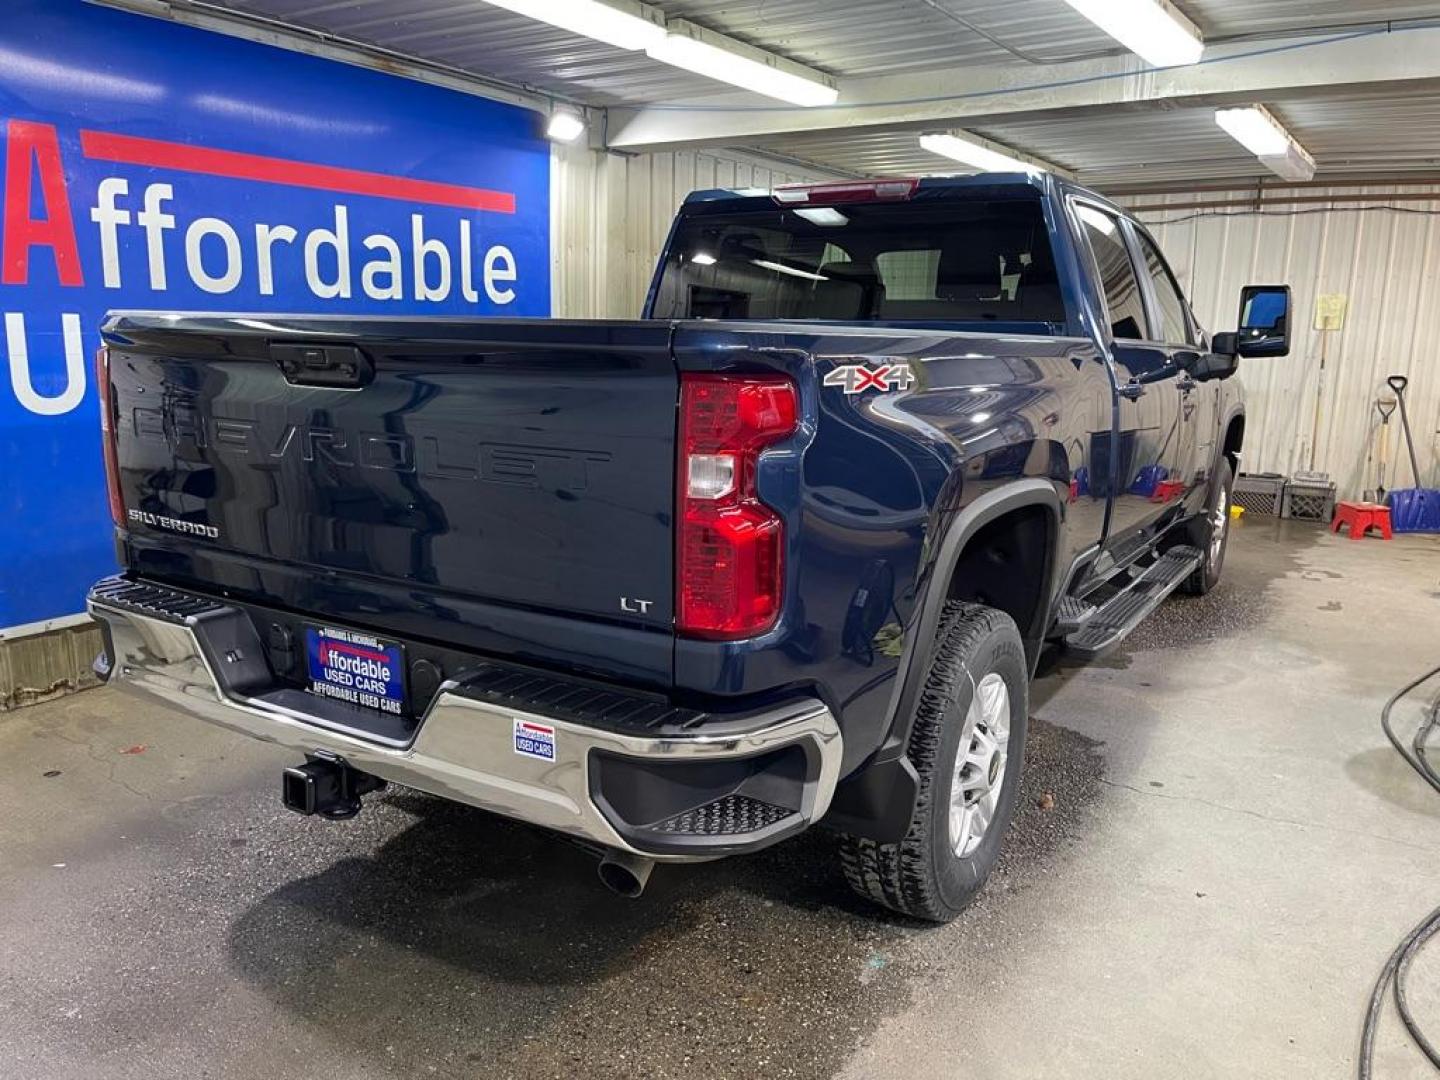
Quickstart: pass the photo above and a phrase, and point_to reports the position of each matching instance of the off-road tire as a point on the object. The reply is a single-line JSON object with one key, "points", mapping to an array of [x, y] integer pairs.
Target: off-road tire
{"points": [[922, 876], [1202, 530]]}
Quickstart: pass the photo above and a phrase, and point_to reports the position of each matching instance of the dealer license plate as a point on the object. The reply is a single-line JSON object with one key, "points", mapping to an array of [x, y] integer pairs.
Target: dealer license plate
{"points": [[353, 667]]}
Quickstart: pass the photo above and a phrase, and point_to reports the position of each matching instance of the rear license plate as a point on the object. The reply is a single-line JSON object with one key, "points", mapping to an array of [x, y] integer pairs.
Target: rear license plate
{"points": [[353, 667]]}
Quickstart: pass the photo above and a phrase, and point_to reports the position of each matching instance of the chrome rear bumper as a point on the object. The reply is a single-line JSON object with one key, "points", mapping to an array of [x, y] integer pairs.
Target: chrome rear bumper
{"points": [[465, 746]]}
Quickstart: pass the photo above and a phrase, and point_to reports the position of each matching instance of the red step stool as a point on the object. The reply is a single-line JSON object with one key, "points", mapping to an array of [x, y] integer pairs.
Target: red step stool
{"points": [[1362, 517], [1166, 490]]}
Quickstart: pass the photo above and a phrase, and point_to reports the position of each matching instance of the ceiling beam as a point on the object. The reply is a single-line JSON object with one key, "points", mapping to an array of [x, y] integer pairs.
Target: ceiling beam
{"points": [[1259, 184], [966, 96]]}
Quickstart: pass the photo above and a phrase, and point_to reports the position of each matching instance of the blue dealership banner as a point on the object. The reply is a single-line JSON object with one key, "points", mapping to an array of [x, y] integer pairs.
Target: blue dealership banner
{"points": [[155, 166]]}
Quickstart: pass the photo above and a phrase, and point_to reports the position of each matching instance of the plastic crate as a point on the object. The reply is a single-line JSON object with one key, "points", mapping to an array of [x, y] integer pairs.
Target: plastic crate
{"points": [[1259, 493], [1309, 501]]}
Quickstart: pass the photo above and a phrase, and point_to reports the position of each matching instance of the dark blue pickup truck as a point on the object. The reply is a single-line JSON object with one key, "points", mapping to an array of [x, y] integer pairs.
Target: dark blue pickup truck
{"points": [[784, 552]]}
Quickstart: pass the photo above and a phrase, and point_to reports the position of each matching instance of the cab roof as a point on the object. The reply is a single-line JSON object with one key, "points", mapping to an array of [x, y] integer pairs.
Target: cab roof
{"points": [[875, 190]]}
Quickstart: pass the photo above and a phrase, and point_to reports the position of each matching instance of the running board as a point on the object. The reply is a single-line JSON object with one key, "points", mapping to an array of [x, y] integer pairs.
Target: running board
{"points": [[1073, 616], [1112, 622]]}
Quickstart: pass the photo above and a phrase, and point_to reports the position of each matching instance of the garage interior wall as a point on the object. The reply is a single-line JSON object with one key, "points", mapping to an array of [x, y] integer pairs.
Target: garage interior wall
{"points": [[610, 214], [1379, 252]]}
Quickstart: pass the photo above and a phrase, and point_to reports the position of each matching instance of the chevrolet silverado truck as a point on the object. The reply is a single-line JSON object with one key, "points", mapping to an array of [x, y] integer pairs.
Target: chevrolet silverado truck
{"points": [[785, 551]]}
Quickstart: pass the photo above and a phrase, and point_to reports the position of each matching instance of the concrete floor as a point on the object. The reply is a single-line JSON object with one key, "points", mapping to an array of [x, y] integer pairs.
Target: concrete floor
{"points": [[1232, 851]]}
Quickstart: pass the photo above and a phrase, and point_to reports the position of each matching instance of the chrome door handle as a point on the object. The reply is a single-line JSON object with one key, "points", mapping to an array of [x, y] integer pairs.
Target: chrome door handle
{"points": [[1132, 390]]}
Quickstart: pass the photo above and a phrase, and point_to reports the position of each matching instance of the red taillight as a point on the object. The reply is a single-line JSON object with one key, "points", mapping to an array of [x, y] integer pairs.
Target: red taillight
{"points": [[729, 548], [108, 435], [845, 191]]}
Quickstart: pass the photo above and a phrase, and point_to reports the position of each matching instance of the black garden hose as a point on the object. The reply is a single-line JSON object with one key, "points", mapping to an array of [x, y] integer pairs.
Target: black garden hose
{"points": [[1397, 967], [1414, 755]]}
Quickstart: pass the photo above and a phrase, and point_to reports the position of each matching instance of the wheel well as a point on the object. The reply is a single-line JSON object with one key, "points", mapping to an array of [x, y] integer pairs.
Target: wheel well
{"points": [[1234, 439], [1006, 565]]}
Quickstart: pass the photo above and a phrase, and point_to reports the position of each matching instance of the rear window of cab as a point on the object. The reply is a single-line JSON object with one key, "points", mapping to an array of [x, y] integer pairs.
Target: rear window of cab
{"points": [[968, 260]]}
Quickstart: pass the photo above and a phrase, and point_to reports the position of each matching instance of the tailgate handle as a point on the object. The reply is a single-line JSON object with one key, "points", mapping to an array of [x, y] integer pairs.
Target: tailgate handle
{"points": [[323, 365]]}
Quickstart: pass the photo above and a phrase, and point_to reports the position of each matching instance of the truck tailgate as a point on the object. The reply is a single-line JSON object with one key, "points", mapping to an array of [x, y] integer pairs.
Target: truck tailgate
{"points": [[424, 473]]}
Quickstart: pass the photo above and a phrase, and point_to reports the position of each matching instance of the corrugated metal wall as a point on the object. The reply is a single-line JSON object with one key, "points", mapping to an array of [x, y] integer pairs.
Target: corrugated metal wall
{"points": [[610, 214], [1384, 256]]}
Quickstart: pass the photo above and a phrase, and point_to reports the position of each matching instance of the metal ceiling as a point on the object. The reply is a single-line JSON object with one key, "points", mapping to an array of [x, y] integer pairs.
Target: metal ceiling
{"points": [[1362, 135], [860, 38], [846, 38]]}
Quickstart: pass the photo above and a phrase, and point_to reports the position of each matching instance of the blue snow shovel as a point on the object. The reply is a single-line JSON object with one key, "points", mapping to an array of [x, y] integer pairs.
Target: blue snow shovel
{"points": [[1414, 509]]}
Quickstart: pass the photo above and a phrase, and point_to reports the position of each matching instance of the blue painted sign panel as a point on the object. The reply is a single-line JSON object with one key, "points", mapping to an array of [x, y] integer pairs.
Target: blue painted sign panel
{"points": [[356, 668], [154, 166]]}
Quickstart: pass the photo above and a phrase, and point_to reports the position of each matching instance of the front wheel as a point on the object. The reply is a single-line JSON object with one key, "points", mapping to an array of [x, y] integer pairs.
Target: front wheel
{"points": [[967, 743], [1210, 532]]}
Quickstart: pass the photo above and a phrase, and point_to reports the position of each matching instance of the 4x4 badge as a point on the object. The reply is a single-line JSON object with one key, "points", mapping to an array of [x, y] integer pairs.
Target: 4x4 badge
{"points": [[857, 378]]}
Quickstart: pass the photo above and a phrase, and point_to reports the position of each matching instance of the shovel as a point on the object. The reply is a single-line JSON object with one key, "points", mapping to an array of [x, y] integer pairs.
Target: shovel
{"points": [[1386, 408], [1414, 509]]}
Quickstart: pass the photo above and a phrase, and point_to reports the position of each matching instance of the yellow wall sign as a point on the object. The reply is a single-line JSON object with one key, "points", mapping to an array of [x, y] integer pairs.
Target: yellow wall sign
{"points": [[1330, 311]]}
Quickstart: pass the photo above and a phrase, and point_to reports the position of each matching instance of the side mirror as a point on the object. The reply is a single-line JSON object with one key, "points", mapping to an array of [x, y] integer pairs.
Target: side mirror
{"points": [[1264, 321]]}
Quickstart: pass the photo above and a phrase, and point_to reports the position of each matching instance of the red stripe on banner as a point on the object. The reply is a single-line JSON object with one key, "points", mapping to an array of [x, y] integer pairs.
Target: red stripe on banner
{"points": [[131, 150], [355, 650]]}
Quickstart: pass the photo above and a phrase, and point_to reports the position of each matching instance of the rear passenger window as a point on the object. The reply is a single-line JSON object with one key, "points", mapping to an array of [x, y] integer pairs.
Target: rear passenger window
{"points": [[909, 275], [1174, 327], [1117, 273]]}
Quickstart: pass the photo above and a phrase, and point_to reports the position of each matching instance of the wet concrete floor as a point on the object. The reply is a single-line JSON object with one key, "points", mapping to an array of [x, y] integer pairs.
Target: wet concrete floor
{"points": [[1214, 854]]}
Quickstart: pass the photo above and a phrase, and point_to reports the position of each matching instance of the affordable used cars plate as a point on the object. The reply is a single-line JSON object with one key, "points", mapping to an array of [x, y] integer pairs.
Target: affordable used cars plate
{"points": [[356, 668]]}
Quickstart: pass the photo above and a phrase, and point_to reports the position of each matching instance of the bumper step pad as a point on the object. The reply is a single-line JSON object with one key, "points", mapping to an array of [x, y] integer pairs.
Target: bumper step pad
{"points": [[732, 815], [154, 600], [559, 698], [1113, 620]]}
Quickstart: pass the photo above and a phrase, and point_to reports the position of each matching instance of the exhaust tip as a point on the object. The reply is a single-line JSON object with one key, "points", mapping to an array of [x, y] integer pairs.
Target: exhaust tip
{"points": [[625, 875]]}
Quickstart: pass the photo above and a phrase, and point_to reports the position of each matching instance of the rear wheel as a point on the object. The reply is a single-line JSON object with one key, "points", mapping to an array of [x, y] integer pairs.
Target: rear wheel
{"points": [[966, 744], [1210, 532]]}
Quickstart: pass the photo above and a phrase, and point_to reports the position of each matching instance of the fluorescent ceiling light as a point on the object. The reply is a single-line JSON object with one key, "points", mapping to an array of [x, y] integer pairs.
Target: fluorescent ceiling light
{"points": [[564, 126], [706, 53], [781, 268], [622, 23], [975, 152], [629, 24], [701, 258], [1255, 129], [1295, 164], [823, 215], [1154, 30]]}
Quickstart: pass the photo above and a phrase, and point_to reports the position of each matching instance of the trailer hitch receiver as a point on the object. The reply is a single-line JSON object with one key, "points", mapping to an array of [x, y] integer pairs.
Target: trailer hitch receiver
{"points": [[326, 786]]}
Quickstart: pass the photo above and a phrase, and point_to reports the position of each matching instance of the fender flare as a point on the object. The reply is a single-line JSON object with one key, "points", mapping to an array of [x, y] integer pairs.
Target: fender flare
{"points": [[1235, 412], [878, 800]]}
